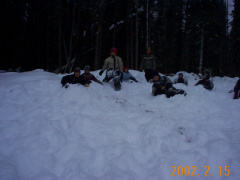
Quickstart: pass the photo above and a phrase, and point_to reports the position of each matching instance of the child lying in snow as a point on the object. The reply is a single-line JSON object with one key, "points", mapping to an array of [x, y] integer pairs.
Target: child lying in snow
{"points": [[163, 85], [126, 76], [207, 84]]}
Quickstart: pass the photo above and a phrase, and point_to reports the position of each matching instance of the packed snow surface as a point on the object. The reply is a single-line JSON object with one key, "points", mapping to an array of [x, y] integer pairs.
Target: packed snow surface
{"points": [[51, 133]]}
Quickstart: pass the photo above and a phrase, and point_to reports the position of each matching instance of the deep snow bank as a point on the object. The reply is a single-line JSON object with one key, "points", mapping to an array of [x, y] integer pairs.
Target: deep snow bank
{"points": [[49, 132]]}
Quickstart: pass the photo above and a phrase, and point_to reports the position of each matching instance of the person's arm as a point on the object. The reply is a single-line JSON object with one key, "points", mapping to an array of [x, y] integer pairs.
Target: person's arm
{"points": [[96, 80], [120, 64], [104, 66], [133, 78], [199, 82], [65, 80], [154, 90]]}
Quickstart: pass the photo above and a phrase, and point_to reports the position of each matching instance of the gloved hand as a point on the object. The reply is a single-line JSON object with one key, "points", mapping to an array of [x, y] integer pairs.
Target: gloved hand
{"points": [[66, 85], [100, 73]]}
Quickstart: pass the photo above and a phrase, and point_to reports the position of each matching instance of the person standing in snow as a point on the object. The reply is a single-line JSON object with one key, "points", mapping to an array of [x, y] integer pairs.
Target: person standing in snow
{"points": [[207, 84], [87, 75], [148, 64], [163, 85], [237, 90], [180, 79], [126, 75], [75, 78], [114, 66]]}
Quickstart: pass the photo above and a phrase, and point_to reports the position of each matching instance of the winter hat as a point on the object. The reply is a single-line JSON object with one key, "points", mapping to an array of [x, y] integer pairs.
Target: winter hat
{"points": [[87, 68], [125, 67], [77, 69], [155, 73], [206, 76], [114, 50]]}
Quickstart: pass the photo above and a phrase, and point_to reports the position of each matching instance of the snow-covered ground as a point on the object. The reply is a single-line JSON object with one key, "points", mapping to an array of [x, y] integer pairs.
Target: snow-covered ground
{"points": [[49, 132]]}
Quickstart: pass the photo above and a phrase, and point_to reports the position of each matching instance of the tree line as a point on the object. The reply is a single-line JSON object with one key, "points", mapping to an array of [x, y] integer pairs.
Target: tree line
{"points": [[58, 35]]}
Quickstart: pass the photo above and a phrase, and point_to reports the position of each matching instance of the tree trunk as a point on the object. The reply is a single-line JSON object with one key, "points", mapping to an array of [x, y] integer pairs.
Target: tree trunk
{"points": [[96, 62], [131, 43], [136, 50], [59, 42], [147, 38], [201, 53], [71, 39]]}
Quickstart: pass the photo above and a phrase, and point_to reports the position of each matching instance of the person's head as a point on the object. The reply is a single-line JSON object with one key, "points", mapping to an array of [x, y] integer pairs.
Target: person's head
{"points": [[180, 76], [113, 51], [125, 69], [156, 77], [87, 69], [149, 50], [206, 77], [77, 72]]}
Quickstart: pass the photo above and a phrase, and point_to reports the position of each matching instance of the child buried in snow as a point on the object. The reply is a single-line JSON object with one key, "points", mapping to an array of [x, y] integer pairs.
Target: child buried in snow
{"points": [[126, 76], [163, 85]]}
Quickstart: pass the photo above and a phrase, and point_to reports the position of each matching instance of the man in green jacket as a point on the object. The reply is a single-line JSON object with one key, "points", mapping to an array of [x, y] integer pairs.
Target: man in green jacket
{"points": [[114, 66]]}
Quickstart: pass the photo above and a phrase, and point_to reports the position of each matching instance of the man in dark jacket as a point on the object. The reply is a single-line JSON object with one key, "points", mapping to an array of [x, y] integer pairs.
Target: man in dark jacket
{"points": [[75, 78], [87, 75], [148, 64], [163, 85], [207, 84], [237, 90]]}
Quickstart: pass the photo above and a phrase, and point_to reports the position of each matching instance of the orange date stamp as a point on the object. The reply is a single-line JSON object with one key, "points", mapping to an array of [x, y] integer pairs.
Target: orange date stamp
{"points": [[187, 171]]}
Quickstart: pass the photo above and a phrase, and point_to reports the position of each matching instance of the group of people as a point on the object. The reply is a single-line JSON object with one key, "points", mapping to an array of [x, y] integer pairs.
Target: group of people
{"points": [[115, 70]]}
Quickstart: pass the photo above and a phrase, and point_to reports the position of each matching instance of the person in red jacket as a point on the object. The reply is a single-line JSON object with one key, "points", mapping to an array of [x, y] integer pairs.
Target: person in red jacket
{"points": [[88, 76]]}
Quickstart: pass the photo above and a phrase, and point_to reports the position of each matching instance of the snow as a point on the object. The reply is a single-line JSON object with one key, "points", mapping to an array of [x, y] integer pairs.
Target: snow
{"points": [[52, 133]]}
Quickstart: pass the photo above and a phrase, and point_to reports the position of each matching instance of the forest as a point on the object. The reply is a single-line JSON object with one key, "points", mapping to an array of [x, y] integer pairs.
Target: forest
{"points": [[59, 35]]}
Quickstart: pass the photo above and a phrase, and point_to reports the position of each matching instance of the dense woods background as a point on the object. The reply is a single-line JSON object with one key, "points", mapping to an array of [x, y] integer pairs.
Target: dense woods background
{"points": [[58, 35]]}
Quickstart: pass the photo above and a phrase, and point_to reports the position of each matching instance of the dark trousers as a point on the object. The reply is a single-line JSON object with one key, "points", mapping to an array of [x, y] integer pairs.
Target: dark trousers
{"points": [[148, 74]]}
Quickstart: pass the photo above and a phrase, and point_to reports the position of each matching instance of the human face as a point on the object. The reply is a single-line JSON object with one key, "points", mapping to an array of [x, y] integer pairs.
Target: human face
{"points": [[112, 53], [180, 76], [149, 51], [126, 70], [77, 74], [87, 71], [156, 78]]}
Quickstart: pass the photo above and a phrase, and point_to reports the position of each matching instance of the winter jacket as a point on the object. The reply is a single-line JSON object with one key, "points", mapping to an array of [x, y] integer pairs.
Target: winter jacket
{"points": [[72, 79], [109, 63], [169, 89], [157, 85], [180, 80], [148, 62], [91, 77], [126, 76], [237, 87], [207, 85]]}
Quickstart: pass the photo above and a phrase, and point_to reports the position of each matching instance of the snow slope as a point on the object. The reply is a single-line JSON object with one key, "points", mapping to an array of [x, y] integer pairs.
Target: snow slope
{"points": [[49, 132]]}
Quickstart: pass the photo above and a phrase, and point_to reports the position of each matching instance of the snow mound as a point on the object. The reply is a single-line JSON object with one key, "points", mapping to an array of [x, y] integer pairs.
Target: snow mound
{"points": [[49, 132]]}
